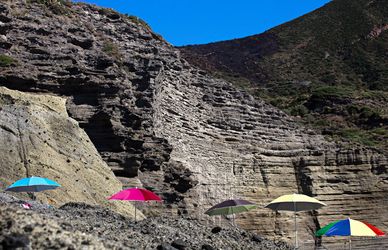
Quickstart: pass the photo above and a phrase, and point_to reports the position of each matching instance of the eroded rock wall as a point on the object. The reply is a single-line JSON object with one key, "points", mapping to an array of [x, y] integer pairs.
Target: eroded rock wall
{"points": [[160, 123], [38, 138], [103, 63], [235, 147]]}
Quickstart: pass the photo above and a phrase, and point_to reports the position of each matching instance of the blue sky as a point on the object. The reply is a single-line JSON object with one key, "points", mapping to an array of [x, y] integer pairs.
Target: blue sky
{"points": [[183, 22]]}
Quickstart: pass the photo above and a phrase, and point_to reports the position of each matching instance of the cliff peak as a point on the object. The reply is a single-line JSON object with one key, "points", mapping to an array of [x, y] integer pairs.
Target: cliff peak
{"points": [[327, 67], [163, 124]]}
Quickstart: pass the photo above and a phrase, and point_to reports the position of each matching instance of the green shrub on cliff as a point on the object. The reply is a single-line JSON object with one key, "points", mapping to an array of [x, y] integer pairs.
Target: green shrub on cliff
{"points": [[111, 49], [58, 7], [51, 2], [299, 110], [138, 21], [358, 136], [6, 61], [337, 91]]}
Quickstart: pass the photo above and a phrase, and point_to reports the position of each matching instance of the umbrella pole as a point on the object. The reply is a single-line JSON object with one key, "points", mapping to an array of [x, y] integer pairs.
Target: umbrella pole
{"points": [[135, 215], [350, 243], [296, 228], [31, 195]]}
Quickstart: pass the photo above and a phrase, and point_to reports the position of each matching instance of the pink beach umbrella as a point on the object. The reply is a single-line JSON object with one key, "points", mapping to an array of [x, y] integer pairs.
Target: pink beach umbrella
{"points": [[135, 194]]}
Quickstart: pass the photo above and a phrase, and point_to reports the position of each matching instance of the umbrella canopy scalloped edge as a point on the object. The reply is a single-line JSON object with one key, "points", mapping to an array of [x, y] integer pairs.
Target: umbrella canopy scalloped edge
{"points": [[349, 227], [135, 194], [32, 184], [295, 202], [231, 207]]}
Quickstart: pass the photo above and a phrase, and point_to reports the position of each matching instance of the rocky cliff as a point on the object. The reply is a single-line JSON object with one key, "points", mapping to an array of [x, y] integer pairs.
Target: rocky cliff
{"points": [[38, 138], [163, 124], [328, 67]]}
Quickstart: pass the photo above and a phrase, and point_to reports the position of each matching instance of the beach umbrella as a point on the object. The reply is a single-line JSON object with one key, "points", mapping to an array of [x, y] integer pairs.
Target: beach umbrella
{"points": [[32, 184], [295, 203], [231, 207], [135, 194], [349, 227]]}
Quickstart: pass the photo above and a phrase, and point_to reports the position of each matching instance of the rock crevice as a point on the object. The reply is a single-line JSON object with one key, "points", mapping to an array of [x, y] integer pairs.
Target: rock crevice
{"points": [[162, 124]]}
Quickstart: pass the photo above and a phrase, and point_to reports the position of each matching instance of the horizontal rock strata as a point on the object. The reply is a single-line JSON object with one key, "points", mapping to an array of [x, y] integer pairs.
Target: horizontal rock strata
{"points": [[160, 123]]}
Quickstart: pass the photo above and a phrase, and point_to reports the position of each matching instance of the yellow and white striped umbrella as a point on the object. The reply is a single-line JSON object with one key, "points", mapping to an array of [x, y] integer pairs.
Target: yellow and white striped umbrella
{"points": [[295, 202]]}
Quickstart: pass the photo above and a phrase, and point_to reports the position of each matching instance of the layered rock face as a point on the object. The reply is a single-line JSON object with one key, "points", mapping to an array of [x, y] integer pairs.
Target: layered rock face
{"points": [[237, 147], [327, 67], [105, 74], [39, 139], [160, 123]]}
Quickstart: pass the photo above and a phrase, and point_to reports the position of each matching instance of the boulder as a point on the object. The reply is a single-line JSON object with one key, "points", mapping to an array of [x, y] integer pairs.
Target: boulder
{"points": [[179, 244], [38, 138]]}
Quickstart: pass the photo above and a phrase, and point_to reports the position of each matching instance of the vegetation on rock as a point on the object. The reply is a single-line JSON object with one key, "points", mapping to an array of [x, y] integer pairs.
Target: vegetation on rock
{"points": [[59, 7], [315, 67], [138, 21], [159, 122], [111, 49], [6, 61]]}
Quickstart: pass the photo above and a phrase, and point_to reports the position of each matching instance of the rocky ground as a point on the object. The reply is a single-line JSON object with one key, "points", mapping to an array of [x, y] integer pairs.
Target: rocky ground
{"points": [[82, 226], [162, 124]]}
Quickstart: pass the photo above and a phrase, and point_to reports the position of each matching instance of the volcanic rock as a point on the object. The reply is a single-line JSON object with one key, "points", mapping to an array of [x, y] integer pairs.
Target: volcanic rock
{"points": [[179, 244], [216, 230], [38, 138], [77, 226], [207, 247], [195, 140]]}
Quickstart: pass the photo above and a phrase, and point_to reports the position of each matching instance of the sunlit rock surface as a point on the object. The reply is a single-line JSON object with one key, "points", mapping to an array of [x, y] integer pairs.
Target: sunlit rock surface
{"points": [[162, 124]]}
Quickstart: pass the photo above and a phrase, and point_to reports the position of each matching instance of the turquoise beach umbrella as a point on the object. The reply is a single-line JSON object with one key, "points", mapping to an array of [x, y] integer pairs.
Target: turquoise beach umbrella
{"points": [[32, 184]]}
